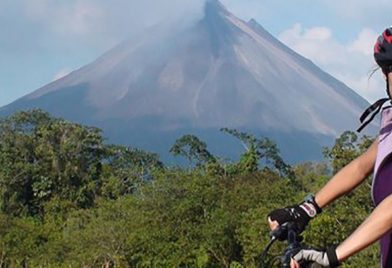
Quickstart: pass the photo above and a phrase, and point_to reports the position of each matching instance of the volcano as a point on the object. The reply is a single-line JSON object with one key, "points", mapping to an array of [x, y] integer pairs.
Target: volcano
{"points": [[219, 72]]}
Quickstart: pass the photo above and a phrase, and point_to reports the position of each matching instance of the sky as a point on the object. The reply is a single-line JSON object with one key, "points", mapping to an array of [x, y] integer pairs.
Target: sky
{"points": [[43, 40]]}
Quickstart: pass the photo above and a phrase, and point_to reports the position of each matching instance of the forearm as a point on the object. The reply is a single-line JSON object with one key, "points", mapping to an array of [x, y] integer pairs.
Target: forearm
{"points": [[348, 178], [377, 224], [344, 181]]}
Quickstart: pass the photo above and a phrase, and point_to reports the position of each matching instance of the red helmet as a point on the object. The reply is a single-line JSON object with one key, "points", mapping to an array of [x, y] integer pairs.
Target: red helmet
{"points": [[383, 51]]}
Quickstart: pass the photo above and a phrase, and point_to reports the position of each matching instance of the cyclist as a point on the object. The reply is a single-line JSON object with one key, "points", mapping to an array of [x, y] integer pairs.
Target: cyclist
{"points": [[378, 158]]}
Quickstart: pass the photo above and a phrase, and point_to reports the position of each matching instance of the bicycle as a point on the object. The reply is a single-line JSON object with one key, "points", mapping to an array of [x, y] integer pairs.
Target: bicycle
{"points": [[283, 232]]}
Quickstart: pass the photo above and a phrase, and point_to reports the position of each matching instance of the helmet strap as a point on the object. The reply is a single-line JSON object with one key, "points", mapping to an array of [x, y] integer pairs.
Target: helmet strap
{"points": [[370, 113]]}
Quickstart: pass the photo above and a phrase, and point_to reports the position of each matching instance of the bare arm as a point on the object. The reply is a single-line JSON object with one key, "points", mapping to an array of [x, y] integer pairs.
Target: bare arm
{"points": [[348, 177], [377, 224], [345, 180]]}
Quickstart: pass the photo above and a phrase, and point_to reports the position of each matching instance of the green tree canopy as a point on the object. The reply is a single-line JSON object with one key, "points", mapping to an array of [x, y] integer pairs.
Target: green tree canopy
{"points": [[193, 149], [257, 151]]}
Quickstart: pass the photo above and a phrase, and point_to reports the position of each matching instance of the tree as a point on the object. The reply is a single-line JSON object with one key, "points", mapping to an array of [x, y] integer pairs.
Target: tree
{"points": [[126, 169], [42, 157], [18, 160], [258, 151], [193, 149]]}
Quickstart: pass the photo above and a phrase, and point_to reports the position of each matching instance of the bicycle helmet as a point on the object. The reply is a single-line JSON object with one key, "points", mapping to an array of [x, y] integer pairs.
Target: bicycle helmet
{"points": [[383, 51]]}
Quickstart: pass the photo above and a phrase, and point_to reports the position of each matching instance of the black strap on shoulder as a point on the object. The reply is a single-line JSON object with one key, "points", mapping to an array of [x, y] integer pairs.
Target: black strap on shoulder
{"points": [[373, 110]]}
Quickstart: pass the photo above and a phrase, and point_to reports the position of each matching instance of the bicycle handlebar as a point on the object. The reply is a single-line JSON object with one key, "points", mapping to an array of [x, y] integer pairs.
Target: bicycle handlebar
{"points": [[283, 232], [294, 246]]}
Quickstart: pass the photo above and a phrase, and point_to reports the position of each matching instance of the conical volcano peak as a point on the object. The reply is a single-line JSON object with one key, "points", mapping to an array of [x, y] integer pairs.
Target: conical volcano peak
{"points": [[214, 7], [216, 24]]}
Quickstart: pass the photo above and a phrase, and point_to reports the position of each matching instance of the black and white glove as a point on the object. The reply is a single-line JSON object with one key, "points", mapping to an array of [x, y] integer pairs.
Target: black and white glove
{"points": [[325, 258], [299, 214]]}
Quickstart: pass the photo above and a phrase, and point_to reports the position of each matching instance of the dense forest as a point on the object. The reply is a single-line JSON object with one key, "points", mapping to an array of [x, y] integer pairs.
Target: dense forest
{"points": [[69, 199]]}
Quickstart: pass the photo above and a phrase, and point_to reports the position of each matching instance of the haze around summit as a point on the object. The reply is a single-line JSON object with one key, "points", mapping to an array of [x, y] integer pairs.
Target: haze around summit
{"points": [[43, 40]]}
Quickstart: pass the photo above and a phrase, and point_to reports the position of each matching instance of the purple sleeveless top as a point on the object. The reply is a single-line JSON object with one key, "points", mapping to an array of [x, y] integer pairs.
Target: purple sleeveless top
{"points": [[382, 181]]}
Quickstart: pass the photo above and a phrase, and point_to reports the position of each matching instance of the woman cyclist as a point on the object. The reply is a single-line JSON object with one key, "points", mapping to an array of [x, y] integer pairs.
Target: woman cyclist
{"points": [[378, 158]]}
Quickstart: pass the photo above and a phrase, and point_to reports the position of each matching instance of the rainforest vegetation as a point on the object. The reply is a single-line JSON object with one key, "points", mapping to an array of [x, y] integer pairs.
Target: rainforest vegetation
{"points": [[70, 199]]}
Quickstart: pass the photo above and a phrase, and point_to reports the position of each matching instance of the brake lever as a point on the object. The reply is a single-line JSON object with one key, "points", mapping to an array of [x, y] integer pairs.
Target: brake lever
{"points": [[280, 233]]}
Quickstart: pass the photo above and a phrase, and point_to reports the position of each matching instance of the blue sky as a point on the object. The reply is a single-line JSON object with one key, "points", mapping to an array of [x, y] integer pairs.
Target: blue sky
{"points": [[42, 40]]}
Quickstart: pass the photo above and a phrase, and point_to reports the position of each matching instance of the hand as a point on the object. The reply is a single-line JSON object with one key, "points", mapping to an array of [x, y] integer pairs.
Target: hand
{"points": [[300, 215], [327, 258]]}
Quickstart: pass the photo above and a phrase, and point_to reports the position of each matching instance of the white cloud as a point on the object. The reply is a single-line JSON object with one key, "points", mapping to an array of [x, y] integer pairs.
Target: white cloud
{"points": [[316, 43], [318, 33], [61, 73], [364, 43], [102, 19], [75, 17], [80, 19], [350, 62]]}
